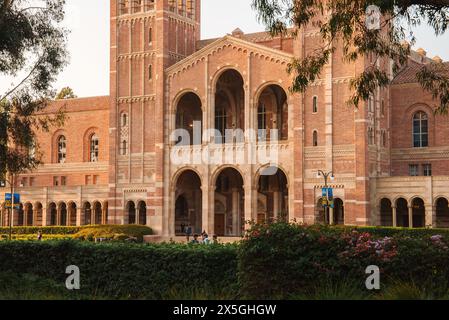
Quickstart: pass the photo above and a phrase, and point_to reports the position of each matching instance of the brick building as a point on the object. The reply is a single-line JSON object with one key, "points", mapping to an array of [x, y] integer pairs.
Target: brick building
{"points": [[157, 150]]}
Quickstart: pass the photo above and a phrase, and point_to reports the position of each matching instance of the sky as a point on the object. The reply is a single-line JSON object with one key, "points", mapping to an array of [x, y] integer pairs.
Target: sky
{"points": [[88, 43]]}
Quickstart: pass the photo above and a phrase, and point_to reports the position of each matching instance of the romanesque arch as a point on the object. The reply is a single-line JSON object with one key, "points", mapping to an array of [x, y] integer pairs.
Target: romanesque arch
{"points": [[87, 213], [272, 114], [339, 212], [419, 213], [29, 214], [52, 214], [142, 207], [131, 212], [442, 213], [189, 119], [386, 213], [63, 214], [98, 213], [402, 218], [273, 192], [229, 106], [229, 217], [188, 203]]}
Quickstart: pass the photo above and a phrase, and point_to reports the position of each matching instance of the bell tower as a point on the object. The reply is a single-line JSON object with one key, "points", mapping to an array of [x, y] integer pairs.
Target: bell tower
{"points": [[147, 36]]}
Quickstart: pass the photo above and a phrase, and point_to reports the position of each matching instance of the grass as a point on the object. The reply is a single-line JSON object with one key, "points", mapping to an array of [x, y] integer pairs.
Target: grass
{"points": [[31, 287]]}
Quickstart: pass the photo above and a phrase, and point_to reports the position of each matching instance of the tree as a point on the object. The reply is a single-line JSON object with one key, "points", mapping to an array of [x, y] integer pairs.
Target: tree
{"points": [[66, 93], [31, 43], [343, 24]]}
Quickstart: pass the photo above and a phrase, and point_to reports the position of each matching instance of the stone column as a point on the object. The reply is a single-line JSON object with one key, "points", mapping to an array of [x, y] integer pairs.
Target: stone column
{"points": [[78, 213], [431, 218], [137, 215], [58, 215], [394, 211], [410, 216], [249, 199], [208, 198], [331, 216], [235, 212], [276, 206]]}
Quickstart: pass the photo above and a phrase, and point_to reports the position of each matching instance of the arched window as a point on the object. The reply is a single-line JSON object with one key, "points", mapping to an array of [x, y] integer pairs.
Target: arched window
{"points": [[315, 138], [124, 148], [94, 148], [62, 149], [220, 125], [315, 104], [124, 119], [420, 130], [150, 35]]}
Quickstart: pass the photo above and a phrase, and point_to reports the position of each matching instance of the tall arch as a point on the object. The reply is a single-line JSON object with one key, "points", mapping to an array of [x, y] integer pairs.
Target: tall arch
{"points": [[229, 107], [273, 191], [63, 214], [52, 214], [419, 213], [87, 213], [442, 213], [142, 207], [189, 118], [402, 217], [131, 212], [386, 213], [229, 216], [339, 212], [272, 114], [29, 214], [98, 213], [188, 203]]}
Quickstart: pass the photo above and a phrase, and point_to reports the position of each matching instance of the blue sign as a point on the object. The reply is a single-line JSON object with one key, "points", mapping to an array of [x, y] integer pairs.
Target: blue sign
{"points": [[8, 200], [328, 197]]}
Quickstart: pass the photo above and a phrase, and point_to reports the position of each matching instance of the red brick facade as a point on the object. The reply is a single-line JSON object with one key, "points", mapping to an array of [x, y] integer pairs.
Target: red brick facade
{"points": [[164, 78]]}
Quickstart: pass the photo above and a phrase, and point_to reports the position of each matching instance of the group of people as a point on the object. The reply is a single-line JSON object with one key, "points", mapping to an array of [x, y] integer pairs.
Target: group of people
{"points": [[196, 237]]}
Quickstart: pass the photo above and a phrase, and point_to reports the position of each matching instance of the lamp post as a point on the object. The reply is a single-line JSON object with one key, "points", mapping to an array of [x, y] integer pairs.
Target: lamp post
{"points": [[11, 182], [326, 176]]}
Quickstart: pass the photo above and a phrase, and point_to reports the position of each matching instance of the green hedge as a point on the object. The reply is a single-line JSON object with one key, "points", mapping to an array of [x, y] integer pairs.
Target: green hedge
{"points": [[281, 260], [44, 230], [126, 271], [113, 232]]}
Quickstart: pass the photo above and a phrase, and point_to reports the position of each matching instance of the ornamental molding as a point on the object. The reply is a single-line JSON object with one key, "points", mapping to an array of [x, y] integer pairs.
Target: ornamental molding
{"points": [[240, 45], [145, 98]]}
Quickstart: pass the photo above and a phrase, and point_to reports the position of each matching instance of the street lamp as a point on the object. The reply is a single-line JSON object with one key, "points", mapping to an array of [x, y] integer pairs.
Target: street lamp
{"points": [[11, 182], [326, 176]]}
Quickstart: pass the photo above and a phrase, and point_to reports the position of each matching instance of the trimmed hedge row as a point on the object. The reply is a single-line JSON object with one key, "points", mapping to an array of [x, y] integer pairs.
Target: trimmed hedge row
{"points": [[126, 271], [281, 260], [113, 232], [44, 230]]}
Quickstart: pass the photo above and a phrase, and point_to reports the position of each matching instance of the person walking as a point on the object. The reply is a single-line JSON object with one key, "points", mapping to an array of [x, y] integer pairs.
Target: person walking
{"points": [[188, 231], [39, 235]]}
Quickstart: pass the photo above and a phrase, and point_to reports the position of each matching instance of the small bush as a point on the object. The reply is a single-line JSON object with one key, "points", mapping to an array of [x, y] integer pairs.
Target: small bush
{"points": [[113, 232]]}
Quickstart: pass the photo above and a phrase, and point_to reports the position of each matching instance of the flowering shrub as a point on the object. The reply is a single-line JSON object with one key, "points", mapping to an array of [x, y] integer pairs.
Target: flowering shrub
{"points": [[281, 259]]}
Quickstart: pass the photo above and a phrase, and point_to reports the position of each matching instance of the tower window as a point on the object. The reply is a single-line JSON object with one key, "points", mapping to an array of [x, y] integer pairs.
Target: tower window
{"points": [[150, 35], [315, 138], [124, 119], [150, 72], [62, 149], [315, 104], [420, 130], [94, 148], [427, 168], [124, 148]]}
